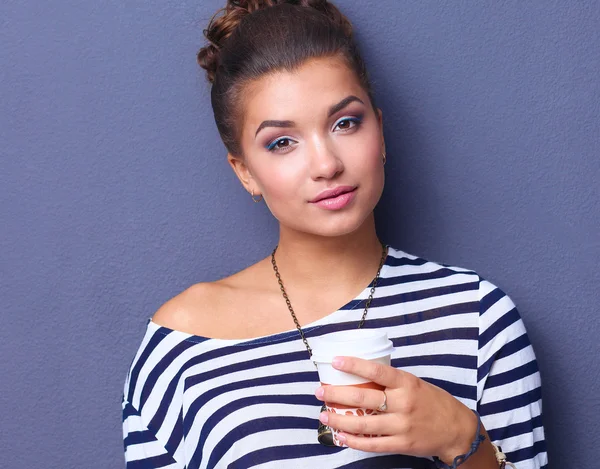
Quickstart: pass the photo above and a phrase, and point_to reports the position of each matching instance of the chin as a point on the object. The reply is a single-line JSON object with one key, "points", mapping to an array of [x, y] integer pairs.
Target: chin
{"points": [[330, 226]]}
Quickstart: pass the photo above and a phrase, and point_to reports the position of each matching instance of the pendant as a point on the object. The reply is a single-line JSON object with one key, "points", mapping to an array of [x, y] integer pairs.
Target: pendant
{"points": [[325, 435]]}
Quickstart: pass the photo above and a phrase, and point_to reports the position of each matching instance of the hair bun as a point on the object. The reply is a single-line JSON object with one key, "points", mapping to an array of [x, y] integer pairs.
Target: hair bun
{"points": [[220, 27], [226, 20]]}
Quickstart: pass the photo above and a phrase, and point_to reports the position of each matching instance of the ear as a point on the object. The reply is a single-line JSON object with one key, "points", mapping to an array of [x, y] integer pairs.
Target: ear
{"points": [[241, 170]]}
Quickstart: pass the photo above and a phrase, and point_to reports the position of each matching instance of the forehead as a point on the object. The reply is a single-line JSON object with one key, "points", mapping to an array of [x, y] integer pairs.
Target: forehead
{"points": [[302, 94]]}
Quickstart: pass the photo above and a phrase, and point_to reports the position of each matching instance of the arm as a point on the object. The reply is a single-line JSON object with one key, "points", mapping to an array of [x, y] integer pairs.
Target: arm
{"points": [[151, 443], [509, 384], [142, 448], [483, 458], [423, 419], [508, 389]]}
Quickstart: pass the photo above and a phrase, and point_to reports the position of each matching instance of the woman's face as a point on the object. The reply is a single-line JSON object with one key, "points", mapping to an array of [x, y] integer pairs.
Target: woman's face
{"points": [[313, 148]]}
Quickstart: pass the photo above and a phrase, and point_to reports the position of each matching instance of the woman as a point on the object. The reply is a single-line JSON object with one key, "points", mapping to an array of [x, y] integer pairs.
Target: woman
{"points": [[224, 379]]}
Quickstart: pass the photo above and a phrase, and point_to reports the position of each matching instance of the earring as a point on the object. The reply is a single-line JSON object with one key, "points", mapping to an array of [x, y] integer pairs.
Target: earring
{"points": [[260, 197], [384, 158]]}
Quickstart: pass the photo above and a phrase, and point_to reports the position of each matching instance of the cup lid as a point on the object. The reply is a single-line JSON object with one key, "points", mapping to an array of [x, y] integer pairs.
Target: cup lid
{"points": [[362, 343]]}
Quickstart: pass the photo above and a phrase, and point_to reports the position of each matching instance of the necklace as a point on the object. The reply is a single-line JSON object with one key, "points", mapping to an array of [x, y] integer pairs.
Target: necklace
{"points": [[325, 435]]}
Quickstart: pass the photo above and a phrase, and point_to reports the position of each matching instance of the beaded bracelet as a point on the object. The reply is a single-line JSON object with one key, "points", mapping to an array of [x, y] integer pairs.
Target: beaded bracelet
{"points": [[458, 460], [479, 438]]}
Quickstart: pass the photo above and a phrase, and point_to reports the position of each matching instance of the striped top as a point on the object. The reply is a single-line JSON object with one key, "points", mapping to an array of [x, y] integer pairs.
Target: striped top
{"points": [[194, 402]]}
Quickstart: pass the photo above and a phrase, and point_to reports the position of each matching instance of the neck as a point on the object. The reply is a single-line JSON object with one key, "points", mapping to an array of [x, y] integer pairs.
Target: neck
{"points": [[314, 262]]}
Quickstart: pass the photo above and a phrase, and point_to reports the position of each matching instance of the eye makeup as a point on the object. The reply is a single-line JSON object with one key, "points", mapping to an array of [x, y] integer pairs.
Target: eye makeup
{"points": [[272, 146], [352, 121]]}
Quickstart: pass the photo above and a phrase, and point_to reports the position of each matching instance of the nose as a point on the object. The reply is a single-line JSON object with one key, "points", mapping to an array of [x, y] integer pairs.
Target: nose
{"points": [[324, 162]]}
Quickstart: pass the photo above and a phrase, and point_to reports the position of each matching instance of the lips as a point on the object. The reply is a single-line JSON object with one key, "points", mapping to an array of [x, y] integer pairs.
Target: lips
{"points": [[333, 193]]}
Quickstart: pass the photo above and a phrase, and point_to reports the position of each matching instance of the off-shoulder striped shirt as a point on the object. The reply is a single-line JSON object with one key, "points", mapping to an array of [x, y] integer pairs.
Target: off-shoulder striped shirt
{"points": [[194, 402]]}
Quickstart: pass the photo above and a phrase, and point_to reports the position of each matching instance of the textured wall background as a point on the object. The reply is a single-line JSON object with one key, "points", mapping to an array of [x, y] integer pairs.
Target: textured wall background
{"points": [[116, 195]]}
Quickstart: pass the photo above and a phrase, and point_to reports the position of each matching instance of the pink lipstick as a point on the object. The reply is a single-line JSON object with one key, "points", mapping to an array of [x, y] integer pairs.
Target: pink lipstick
{"points": [[335, 199]]}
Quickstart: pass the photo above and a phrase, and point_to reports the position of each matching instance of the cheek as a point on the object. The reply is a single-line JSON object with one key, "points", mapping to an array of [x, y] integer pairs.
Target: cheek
{"points": [[365, 153], [367, 167], [282, 179]]}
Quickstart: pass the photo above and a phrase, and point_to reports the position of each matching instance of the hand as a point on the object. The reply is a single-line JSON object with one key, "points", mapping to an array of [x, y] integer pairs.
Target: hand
{"points": [[421, 419]]}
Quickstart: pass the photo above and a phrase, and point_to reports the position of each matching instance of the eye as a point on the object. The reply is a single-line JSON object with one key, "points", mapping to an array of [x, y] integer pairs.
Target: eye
{"points": [[281, 144], [347, 123]]}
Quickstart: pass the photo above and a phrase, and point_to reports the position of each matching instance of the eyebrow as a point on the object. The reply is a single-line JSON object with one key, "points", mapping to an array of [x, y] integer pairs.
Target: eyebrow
{"points": [[342, 104], [332, 110], [274, 124]]}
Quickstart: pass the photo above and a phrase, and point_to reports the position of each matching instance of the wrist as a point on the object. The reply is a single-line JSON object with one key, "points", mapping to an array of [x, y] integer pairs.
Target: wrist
{"points": [[462, 438]]}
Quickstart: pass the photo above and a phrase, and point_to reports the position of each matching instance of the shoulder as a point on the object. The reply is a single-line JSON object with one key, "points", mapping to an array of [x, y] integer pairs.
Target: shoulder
{"points": [[403, 263], [203, 308], [486, 293], [499, 320], [185, 310]]}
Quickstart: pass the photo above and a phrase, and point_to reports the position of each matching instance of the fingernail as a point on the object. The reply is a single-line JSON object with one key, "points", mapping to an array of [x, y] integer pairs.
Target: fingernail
{"points": [[337, 362], [324, 417], [319, 392], [342, 438]]}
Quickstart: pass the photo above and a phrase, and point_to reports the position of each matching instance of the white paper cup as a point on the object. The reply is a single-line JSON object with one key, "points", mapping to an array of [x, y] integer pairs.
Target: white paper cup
{"points": [[368, 344]]}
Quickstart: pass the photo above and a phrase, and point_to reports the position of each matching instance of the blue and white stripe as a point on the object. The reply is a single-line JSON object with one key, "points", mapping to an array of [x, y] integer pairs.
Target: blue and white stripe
{"points": [[193, 402]]}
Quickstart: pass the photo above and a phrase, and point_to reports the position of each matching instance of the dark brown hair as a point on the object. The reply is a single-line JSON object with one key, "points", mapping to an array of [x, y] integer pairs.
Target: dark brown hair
{"points": [[251, 38]]}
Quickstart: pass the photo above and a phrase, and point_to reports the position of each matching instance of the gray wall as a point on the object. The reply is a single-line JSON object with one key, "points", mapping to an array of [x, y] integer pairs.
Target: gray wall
{"points": [[115, 192]]}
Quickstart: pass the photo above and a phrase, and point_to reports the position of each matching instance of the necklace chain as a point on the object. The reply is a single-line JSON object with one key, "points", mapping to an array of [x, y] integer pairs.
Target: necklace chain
{"points": [[291, 309]]}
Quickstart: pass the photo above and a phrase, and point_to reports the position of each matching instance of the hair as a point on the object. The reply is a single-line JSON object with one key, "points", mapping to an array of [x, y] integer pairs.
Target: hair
{"points": [[249, 39]]}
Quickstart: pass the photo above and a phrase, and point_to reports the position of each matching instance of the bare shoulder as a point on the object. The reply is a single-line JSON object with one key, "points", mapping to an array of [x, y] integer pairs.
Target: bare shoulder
{"points": [[185, 312], [204, 308]]}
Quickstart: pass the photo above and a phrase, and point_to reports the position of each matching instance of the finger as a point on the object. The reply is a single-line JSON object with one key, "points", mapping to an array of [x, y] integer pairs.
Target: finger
{"points": [[373, 371], [352, 396], [376, 444], [365, 425]]}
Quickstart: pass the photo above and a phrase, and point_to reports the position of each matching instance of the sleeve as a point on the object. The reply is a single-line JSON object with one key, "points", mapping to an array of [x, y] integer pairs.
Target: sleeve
{"points": [[509, 392], [142, 448]]}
